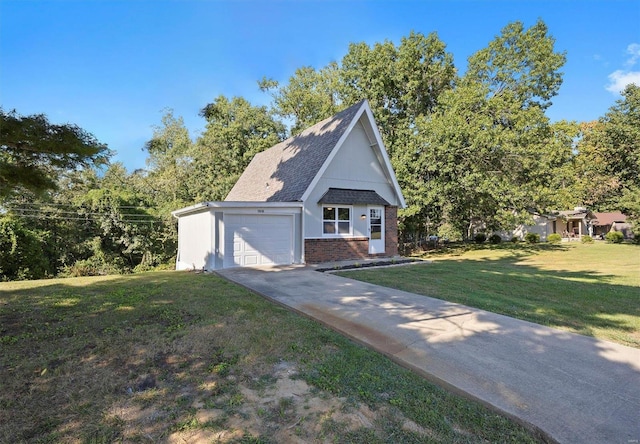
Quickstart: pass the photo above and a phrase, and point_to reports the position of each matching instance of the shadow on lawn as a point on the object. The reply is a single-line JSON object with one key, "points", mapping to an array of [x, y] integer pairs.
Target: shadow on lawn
{"points": [[517, 249], [588, 303]]}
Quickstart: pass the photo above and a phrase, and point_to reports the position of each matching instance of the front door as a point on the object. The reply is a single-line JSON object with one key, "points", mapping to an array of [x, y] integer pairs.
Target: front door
{"points": [[376, 230]]}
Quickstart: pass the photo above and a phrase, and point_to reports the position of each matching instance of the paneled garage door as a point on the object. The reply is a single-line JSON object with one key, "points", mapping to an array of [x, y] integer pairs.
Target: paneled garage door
{"points": [[258, 240]]}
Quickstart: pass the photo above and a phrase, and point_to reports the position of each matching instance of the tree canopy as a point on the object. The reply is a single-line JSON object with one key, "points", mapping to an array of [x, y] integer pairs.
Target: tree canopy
{"points": [[487, 150], [33, 151]]}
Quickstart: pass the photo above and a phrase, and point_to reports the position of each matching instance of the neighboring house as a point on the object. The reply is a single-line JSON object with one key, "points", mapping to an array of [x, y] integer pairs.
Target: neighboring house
{"points": [[327, 194], [614, 221], [570, 224], [573, 224]]}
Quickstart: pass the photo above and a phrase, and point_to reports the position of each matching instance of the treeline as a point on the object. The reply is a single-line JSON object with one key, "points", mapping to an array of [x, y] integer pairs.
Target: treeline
{"points": [[472, 149]]}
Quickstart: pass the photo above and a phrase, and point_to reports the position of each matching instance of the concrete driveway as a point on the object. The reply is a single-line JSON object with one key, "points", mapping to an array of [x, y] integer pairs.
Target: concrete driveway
{"points": [[574, 388]]}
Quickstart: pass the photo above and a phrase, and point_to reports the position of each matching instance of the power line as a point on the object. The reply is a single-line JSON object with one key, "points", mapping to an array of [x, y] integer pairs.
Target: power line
{"points": [[53, 204], [52, 212], [84, 219]]}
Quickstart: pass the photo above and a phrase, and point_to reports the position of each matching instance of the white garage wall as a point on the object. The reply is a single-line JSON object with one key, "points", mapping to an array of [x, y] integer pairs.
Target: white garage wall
{"points": [[195, 241]]}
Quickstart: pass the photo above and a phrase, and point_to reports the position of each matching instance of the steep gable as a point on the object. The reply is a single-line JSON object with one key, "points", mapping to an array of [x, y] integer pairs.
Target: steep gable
{"points": [[284, 172]]}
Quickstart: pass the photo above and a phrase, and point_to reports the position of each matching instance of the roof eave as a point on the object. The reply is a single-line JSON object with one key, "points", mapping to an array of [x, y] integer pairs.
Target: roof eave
{"points": [[204, 206]]}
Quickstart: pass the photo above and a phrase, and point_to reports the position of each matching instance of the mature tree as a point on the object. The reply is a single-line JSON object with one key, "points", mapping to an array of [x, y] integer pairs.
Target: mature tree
{"points": [[309, 97], [236, 131], [166, 179], [487, 151], [124, 230], [521, 63], [401, 82], [619, 137], [34, 151], [607, 163], [584, 180], [169, 162]]}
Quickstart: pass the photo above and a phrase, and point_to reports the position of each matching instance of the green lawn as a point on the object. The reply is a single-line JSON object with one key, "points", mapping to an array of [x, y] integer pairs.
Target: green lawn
{"points": [[592, 289], [184, 357]]}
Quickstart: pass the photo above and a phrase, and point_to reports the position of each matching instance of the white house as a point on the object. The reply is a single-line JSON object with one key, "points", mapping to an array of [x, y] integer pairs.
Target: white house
{"points": [[327, 194]]}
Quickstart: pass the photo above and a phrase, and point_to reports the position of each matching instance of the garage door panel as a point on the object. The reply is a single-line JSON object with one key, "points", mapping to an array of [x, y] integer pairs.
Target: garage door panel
{"points": [[259, 240], [250, 259]]}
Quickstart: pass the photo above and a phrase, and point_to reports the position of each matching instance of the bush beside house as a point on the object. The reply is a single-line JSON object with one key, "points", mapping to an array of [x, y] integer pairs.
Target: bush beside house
{"points": [[554, 238], [614, 237]]}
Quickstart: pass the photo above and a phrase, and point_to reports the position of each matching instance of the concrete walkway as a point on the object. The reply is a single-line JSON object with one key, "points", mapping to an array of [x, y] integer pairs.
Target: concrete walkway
{"points": [[574, 388]]}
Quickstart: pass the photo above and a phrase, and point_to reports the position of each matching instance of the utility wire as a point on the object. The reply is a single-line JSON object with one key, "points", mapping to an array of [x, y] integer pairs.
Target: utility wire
{"points": [[51, 204], [85, 219], [53, 212]]}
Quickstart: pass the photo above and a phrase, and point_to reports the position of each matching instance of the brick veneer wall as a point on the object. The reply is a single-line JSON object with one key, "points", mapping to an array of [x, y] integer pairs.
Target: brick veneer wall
{"points": [[391, 231], [339, 249]]}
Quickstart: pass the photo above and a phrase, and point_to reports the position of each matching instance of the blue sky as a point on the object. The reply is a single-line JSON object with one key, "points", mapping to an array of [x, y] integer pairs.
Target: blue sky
{"points": [[112, 67]]}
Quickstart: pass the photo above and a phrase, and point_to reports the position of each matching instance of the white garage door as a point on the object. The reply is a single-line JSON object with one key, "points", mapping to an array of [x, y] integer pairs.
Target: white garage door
{"points": [[258, 240]]}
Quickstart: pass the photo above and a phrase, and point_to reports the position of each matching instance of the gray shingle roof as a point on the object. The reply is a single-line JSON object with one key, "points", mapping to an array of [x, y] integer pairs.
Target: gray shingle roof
{"points": [[284, 172], [342, 196]]}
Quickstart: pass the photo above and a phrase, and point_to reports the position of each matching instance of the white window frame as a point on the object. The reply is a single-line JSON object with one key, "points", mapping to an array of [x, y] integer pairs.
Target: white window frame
{"points": [[336, 220]]}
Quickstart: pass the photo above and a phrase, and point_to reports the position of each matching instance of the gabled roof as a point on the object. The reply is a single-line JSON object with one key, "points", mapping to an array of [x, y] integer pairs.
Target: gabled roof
{"points": [[287, 171]]}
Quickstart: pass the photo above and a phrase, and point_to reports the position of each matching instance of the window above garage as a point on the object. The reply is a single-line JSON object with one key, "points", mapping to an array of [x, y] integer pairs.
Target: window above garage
{"points": [[336, 220]]}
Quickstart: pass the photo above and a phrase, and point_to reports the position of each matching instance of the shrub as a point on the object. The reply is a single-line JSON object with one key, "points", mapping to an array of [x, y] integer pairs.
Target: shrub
{"points": [[586, 239], [92, 266], [614, 237], [554, 238], [495, 239], [515, 239], [532, 238], [480, 238]]}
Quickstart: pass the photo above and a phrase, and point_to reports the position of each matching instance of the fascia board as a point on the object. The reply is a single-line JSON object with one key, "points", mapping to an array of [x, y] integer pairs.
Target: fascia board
{"points": [[231, 204]]}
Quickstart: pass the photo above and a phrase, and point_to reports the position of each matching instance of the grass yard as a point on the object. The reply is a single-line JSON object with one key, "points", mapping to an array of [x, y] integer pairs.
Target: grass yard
{"points": [[591, 289], [183, 357]]}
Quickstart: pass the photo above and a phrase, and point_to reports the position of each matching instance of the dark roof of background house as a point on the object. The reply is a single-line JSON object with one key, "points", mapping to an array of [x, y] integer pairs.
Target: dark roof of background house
{"points": [[342, 196], [609, 218], [284, 172]]}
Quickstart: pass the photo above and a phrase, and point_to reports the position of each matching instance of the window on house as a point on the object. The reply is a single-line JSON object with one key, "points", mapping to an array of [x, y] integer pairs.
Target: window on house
{"points": [[336, 220]]}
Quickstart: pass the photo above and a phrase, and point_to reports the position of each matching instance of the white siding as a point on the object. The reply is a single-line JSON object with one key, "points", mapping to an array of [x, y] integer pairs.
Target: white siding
{"points": [[542, 226], [195, 241], [355, 166]]}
